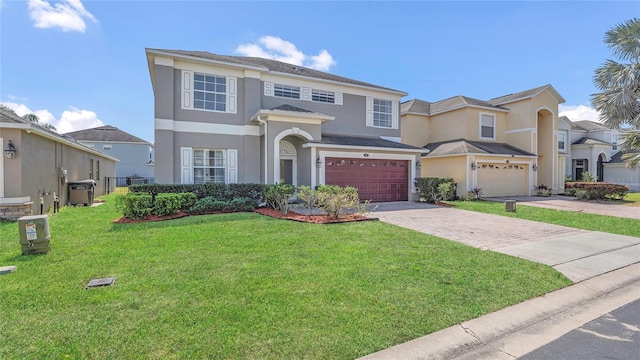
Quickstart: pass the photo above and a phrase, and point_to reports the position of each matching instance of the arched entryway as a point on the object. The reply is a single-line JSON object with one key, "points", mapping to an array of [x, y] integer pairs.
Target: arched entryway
{"points": [[288, 163], [602, 158]]}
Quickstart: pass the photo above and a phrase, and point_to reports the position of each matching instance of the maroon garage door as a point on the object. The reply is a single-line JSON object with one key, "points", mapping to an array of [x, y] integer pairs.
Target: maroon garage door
{"points": [[376, 180]]}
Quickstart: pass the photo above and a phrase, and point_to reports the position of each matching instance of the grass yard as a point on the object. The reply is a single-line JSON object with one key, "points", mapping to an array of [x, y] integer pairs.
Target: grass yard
{"points": [[244, 286], [632, 199], [580, 220]]}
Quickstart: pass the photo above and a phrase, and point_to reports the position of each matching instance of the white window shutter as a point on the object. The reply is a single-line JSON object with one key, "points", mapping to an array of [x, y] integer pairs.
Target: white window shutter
{"points": [[338, 98], [186, 165], [187, 89], [394, 114], [232, 166], [305, 93], [268, 88], [232, 94], [369, 111]]}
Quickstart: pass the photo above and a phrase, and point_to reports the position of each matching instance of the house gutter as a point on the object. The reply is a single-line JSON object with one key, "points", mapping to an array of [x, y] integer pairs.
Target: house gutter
{"points": [[266, 147]]}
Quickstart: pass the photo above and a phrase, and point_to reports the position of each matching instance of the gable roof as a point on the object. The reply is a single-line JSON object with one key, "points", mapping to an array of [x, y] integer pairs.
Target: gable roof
{"points": [[287, 107], [105, 133], [362, 141], [463, 146], [261, 64], [589, 141], [527, 94], [588, 125], [415, 106]]}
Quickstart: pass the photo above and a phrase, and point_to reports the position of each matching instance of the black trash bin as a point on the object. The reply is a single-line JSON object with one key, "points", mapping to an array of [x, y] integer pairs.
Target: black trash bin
{"points": [[81, 192]]}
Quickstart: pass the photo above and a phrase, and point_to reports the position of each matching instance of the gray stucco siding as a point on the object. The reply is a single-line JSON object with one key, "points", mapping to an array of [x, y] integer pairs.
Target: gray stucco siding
{"points": [[164, 157], [163, 92]]}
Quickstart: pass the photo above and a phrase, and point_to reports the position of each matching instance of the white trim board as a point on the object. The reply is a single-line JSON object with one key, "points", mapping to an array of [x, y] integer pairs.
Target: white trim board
{"points": [[206, 128]]}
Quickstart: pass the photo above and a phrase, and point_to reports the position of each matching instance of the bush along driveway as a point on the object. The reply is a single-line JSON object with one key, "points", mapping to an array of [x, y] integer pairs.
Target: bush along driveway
{"points": [[237, 286]]}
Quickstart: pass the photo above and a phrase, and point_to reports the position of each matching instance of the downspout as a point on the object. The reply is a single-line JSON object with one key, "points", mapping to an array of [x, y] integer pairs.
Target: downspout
{"points": [[266, 148]]}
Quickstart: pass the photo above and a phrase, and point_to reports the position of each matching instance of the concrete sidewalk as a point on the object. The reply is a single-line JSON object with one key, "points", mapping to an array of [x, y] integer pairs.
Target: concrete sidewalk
{"points": [[522, 328], [568, 203]]}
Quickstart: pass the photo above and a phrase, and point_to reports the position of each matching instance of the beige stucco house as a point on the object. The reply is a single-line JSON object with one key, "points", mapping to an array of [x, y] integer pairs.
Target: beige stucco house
{"points": [[37, 164], [507, 146]]}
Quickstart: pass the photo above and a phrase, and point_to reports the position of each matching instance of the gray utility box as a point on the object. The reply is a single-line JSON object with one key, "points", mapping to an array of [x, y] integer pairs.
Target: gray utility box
{"points": [[34, 234], [81, 192], [510, 205]]}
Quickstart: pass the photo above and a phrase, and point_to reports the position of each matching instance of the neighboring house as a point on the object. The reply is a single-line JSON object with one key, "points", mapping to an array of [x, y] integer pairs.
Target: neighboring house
{"points": [[596, 148], [507, 146], [41, 165], [136, 155], [228, 119]]}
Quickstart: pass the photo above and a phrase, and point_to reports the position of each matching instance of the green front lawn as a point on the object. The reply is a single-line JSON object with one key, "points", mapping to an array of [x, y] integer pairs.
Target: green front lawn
{"points": [[632, 199], [244, 286], [580, 220]]}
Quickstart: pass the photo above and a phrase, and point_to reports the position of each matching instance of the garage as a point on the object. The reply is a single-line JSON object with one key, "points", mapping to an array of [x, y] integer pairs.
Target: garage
{"points": [[501, 179], [376, 179]]}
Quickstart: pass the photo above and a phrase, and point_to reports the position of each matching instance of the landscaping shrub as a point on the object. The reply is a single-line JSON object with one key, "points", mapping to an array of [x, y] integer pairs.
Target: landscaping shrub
{"points": [[211, 204], [336, 200], [277, 196], [428, 189], [226, 192], [588, 177], [167, 204], [135, 205], [596, 190], [308, 196]]}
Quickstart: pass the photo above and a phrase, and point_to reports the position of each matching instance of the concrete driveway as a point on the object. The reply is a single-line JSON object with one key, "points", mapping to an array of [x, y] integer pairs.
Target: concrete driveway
{"points": [[578, 254]]}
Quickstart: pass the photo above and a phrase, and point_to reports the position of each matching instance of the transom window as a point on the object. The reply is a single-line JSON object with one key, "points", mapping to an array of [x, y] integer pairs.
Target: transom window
{"points": [[286, 91], [209, 92], [487, 126], [382, 116], [562, 141], [614, 142], [323, 96], [209, 166], [106, 147]]}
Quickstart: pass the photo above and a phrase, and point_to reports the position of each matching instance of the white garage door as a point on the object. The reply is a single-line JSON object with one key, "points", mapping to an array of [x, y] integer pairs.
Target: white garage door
{"points": [[500, 179]]}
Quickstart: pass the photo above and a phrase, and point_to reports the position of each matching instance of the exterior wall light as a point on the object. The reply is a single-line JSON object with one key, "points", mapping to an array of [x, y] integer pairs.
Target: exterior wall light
{"points": [[10, 150], [318, 161], [535, 167], [473, 165]]}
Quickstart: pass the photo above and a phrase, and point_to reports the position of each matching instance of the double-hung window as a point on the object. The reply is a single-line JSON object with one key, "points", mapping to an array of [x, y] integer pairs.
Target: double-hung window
{"points": [[382, 115], [614, 142], [286, 91], [487, 127], [323, 96], [209, 166], [562, 141], [209, 92]]}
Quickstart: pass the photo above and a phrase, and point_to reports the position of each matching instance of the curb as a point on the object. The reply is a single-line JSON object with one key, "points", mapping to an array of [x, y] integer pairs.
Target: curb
{"points": [[522, 328]]}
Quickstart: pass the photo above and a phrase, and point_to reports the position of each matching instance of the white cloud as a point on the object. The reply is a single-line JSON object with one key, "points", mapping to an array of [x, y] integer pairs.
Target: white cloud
{"points": [[70, 120], [275, 48], [579, 112], [69, 15]]}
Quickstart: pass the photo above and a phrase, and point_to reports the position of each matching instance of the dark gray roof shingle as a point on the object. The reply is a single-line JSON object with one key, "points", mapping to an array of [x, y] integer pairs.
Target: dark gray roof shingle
{"points": [[463, 146], [589, 141], [519, 95], [589, 125], [274, 65], [104, 133], [415, 106], [287, 107], [9, 117], [349, 140]]}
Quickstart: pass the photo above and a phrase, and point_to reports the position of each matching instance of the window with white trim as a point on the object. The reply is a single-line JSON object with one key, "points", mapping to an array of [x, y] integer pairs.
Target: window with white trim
{"points": [[382, 113], [106, 147], [562, 141], [209, 166], [209, 92], [614, 142], [286, 91], [487, 126], [323, 96]]}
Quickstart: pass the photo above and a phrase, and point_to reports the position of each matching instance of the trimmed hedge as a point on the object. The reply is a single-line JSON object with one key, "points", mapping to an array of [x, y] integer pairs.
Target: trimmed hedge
{"points": [[140, 205], [223, 192], [211, 204], [596, 190], [428, 188]]}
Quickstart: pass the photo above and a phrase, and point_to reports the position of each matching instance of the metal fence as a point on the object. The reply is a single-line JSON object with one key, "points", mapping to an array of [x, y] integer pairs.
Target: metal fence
{"points": [[120, 184]]}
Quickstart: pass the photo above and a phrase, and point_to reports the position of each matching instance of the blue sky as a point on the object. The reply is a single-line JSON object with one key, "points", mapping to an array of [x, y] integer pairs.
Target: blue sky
{"points": [[82, 64]]}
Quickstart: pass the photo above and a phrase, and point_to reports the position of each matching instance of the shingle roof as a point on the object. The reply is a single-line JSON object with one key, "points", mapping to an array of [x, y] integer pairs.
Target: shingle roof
{"points": [[458, 101], [617, 158], [287, 107], [463, 146], [105, 133], [589, 125], [348, 140], [589, 141], [524, 95], [415, 106], [273, 65], [9, 117]]}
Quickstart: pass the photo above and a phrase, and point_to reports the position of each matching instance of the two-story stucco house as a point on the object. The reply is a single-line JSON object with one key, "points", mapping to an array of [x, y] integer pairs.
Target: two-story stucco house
{"points": [[229, 119], [134, 153], [507, 146], [595, 148]]}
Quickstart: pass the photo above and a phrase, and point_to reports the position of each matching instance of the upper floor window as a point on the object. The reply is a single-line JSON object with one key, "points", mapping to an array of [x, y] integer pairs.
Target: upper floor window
{"points": [[382, 115], [106, 147], [487, 126], [209, 92], [614, 142], [323, 96], [562, 141], [286, 91], [209, 166]]}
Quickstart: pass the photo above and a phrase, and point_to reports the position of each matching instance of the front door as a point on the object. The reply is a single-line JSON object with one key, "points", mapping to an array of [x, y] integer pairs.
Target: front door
{"points": [[286, 171]]}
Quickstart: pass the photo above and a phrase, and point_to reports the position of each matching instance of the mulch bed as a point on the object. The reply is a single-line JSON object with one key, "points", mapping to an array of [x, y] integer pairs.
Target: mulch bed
{"points": [[291, 215]]}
